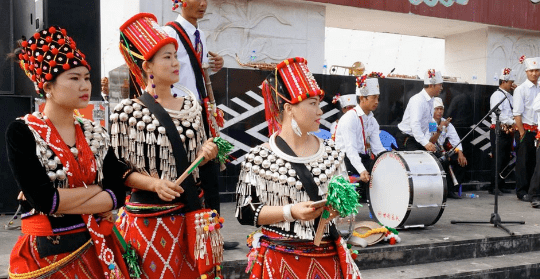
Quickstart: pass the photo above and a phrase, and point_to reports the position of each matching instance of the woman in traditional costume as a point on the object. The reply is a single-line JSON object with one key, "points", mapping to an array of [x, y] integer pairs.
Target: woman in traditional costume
{"points": [[280, 181], [160, 135], [69, 177]]}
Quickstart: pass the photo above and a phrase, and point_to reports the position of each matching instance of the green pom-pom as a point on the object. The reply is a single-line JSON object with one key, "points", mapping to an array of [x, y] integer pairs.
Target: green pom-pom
{"points": [[224, 147], [349, 246], [132, 261], [326, 214], [394, 231], [342, 196], [355, 252]]}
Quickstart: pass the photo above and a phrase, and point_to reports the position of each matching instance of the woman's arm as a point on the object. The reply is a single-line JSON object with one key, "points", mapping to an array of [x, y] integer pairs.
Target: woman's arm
{"points": [[299, 211], [71, 198], [102, 202], [30, 175]]}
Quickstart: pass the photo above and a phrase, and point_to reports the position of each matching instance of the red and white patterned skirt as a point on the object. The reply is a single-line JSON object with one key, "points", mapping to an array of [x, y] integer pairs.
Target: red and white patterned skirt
{"points": [[285, 258]]}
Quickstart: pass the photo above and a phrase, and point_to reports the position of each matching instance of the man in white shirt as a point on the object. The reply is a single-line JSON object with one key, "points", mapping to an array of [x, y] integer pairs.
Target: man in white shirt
{"points": [[192, 54], [445, 138], [346, 102], [190, 12], [526, 124], [358, 133], [418, 117], [506, 118], [534, 189]]}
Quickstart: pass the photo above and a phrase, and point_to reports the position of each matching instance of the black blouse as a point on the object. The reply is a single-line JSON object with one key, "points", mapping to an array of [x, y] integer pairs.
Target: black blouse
{"points": [[40, 192]]}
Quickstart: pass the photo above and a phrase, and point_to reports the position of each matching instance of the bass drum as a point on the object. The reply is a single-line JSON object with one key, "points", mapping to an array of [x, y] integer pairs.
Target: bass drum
{"points": [[407, 189]]}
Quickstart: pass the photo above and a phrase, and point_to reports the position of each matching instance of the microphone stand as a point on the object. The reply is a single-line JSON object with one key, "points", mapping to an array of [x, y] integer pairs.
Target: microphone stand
{"points": [[495, 217]]}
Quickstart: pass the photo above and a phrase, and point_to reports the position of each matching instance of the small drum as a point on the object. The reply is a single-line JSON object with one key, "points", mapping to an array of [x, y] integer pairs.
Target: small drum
{"points": [[407, 189]]}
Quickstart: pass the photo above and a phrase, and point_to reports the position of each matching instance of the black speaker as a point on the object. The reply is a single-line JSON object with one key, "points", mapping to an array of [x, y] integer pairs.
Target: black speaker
{"points": [[81, 19], [12, 107], [6, 46]]}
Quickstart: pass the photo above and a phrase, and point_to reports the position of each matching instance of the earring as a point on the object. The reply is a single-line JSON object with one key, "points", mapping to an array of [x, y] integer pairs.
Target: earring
{"points": [[48, 96], [153, 86], [296, 128]]}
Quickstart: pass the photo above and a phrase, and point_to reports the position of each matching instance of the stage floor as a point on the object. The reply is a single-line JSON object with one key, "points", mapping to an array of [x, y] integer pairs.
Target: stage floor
{"points": [[510, 209]]}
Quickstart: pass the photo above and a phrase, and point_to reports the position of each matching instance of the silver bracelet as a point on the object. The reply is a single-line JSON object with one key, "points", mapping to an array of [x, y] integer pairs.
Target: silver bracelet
{"points": [[287, 213]]}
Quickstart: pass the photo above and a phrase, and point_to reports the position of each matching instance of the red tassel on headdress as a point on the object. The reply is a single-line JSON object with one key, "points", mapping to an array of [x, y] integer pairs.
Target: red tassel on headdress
{"points": [[270, 108]]}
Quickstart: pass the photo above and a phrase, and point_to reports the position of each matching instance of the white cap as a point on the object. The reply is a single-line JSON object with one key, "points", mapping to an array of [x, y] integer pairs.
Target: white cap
{"points": [[437, 102], [532, 63], [347, 100], [432, 77], [368, 87], [507, 74]]}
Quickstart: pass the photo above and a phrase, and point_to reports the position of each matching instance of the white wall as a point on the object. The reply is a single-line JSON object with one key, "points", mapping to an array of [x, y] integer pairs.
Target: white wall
{"points": [[506, 46], [276, 30], [382, 52], [466, 56]]}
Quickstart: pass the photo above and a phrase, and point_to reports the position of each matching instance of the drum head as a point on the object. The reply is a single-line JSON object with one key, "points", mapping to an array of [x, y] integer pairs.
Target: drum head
{"points": [[389, 190]]}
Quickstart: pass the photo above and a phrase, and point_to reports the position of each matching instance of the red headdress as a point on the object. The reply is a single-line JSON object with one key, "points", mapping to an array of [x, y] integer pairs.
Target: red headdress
{"points": [[292, 82], [140, 38], [47, 54]]}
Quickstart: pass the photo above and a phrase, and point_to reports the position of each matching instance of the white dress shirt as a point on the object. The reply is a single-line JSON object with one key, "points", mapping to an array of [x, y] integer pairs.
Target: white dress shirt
{"points": [[418, 114], [333, 127], [449, 133], [187, 76], [506, 116], [349, 136], [536, 106], [524, 96]]}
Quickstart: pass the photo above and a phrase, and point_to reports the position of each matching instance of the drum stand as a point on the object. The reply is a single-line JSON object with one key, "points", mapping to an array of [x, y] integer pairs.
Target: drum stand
{"points": [[495, 217]]}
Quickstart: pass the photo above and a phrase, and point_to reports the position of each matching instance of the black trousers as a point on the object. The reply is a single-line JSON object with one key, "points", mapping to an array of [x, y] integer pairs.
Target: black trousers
{"points": [[459, 172], [525, 162], [408, 143], [505, 152], [209, 175], [534, 188], [351, 170]]}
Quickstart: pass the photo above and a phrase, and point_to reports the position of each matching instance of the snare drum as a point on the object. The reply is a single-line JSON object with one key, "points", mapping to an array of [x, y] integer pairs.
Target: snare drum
{"points": [[407, 189]]}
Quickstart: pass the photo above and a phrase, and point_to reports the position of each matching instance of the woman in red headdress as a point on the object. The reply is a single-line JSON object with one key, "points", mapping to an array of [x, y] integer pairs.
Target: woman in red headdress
{"points": [[281, 180], [69, 178], [160, 135]]}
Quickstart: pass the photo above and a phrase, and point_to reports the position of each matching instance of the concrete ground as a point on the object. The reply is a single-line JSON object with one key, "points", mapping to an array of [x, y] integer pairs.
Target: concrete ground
{"points": [[510, 209]]}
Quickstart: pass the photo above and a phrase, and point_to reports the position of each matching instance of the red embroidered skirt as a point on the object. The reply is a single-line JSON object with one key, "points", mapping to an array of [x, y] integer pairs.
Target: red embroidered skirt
{"points": [[25, 258], [161, 243], [293, 259]]}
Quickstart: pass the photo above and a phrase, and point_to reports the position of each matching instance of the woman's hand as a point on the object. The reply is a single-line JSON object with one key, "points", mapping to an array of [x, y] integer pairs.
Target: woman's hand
{"points": [[107, 216], [166, 190], [305, 212], [209, 150]]}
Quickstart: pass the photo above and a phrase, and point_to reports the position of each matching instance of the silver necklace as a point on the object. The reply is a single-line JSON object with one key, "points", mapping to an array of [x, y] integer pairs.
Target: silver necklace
{"points": [[302, 160]]}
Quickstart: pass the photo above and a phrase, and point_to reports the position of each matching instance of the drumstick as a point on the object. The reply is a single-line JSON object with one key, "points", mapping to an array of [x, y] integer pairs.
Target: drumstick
{"points": [[342, 199], [224, 147], [323, 221], [190, 169]]}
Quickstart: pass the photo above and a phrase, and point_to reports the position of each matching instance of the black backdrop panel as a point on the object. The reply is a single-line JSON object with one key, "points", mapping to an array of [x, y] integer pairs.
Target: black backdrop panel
{"points": [[6, 46], [24, 24], [12, 107], [238, 93]]}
